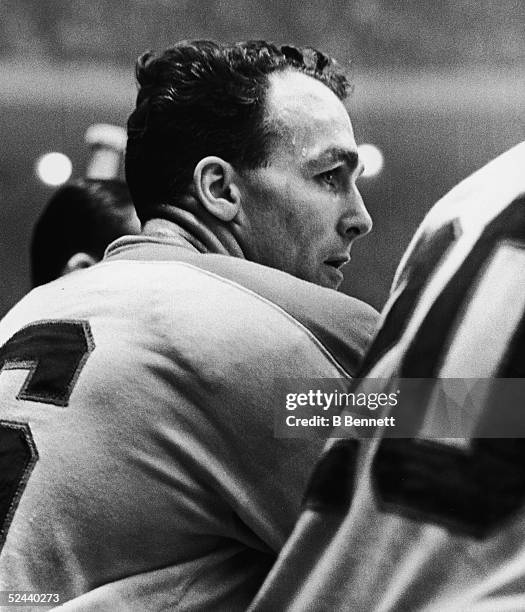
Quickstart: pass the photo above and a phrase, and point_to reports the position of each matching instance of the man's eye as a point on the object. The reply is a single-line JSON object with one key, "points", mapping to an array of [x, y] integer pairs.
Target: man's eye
{"points": [[329, 177]]}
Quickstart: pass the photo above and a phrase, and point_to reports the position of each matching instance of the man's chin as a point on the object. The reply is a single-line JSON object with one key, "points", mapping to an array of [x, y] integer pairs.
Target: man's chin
{"points": [[332, 277], [327, 276]]}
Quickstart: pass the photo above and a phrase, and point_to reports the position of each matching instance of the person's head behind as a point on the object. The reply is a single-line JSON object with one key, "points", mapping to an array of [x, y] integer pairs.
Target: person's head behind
{"points": [[229, 106], [78, 223]]}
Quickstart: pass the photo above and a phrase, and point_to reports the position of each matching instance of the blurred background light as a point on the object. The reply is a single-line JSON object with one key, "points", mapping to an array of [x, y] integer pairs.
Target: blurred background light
{"points": [[372, 159], [54, 169]]}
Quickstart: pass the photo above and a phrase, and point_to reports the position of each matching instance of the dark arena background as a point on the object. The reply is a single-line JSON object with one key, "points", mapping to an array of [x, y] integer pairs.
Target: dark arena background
{"points": [[439, 91]]}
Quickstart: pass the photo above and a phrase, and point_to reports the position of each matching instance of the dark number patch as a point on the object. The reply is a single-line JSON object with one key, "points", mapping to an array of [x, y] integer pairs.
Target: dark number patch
{"points": [[54, 352], [18, 456]]}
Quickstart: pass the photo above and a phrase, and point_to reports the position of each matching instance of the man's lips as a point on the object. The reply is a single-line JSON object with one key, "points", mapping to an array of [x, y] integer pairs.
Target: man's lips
{"points": [[338, 261]]}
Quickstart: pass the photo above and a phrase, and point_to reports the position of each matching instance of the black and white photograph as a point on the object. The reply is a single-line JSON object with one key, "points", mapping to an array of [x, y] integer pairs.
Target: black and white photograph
{"points": [[262, 306]]}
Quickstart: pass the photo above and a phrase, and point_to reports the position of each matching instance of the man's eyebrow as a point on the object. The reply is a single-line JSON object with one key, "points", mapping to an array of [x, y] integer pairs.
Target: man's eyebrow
{"points": [[334, 155]]}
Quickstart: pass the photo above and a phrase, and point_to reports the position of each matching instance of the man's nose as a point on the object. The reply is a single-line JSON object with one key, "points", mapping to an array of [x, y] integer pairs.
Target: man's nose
{"points": [[356, 220]]}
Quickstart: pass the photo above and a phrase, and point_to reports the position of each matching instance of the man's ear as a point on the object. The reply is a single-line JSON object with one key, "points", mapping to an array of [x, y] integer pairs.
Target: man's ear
{"points": [[214, 182], [77, 262]]}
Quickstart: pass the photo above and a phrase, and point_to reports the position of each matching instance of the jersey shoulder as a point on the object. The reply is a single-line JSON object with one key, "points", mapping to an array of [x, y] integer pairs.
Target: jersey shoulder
{"points": [[342, 324]]}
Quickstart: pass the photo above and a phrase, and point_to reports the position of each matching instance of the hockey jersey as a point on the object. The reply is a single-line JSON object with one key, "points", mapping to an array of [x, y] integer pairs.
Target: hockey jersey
{"points": [[139, 466]]}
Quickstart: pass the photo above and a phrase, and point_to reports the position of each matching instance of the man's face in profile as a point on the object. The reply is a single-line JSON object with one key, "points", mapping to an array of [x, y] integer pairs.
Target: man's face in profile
{"points": [[303, 209]]}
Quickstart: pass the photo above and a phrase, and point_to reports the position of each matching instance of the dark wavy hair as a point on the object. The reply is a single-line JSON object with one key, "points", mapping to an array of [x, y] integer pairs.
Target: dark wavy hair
{"points": [[202, 98], [82, 216]]}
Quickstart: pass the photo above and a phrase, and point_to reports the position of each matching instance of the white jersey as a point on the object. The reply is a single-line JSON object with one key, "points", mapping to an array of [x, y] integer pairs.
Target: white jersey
{"points": [[424, 523], [139, 467]]}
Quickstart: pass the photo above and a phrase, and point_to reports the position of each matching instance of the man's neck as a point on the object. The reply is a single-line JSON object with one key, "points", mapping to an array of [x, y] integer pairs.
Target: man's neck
{"points": [[196, 227]]}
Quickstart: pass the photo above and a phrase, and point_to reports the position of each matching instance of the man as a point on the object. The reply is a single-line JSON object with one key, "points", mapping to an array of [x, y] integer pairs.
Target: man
{"points": [[431, 522], [78, 223], [144, 473], [84, 216]]}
